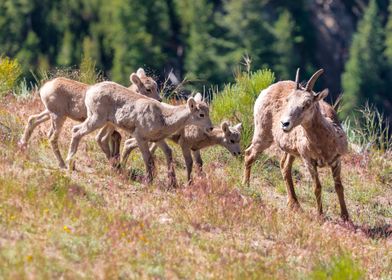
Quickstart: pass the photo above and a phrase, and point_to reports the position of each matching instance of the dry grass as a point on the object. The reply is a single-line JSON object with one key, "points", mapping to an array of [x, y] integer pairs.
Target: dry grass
{"points": [[96, 223]]}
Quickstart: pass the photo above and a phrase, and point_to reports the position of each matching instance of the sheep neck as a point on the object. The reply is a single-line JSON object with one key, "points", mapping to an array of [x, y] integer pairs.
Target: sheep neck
{"points": [[316, 127], [215, 137], [176, 117]]}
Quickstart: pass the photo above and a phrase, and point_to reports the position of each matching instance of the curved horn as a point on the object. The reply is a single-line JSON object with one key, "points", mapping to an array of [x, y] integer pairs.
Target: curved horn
{"points": [[313, 79], [297, 78]]}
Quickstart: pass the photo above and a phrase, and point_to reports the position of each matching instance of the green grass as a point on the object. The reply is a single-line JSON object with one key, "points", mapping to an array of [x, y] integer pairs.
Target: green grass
{"points": [[342, 267], [97, 223]]}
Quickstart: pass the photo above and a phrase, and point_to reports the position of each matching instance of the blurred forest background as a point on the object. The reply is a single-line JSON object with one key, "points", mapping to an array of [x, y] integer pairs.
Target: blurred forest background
{"points": [[206, 42]]}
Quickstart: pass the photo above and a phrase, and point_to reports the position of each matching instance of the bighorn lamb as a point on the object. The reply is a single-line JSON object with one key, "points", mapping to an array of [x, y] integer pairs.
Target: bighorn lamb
{"points": [[192, 139], [65, 98], [298, 120], [146, 119]]}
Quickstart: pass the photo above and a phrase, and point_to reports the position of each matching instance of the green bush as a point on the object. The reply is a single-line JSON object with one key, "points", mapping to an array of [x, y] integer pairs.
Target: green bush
{"points": [[235, 102], [10, 72]]}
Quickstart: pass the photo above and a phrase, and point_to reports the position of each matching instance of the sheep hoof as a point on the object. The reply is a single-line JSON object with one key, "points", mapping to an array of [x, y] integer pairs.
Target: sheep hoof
{"points": [[294, 205], [173, 183], [22, 145], [71, 165], [115, 162], [345, 218], [147, 180]]}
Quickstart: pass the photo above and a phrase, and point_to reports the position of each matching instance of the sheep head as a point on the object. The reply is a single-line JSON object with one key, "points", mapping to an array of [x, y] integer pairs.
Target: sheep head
{"points": [[301, 103], [232, 137], [200, 112], [145, 85]]}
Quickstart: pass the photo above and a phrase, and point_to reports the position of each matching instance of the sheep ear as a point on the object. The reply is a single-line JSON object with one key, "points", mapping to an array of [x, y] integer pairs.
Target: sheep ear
{"points": [[198, 97], [225, 128], [130, 77], [321, 95], [238, 127], [191, 103], [140, 72], [136, 80]]}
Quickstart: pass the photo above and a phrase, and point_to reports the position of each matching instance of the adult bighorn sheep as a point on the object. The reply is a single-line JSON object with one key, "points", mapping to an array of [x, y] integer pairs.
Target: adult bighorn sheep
{"points": [[64, 98], [146, 119], [192, 139], [298, 120]]}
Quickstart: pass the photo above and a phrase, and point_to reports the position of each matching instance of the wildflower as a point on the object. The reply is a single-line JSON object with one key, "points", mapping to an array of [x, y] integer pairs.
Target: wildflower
{"points": [[67, 229], [29, 258]]}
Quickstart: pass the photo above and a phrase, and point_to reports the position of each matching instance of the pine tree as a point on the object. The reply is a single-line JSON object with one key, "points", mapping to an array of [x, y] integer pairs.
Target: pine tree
{"points": [[202, 62], [362, 78], [248, 32], [388, 36], [66, 54], [137, 36], [286, 57]]}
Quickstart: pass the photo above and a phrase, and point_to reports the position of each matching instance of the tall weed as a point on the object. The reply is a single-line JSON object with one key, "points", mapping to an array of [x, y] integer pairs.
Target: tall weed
{"points": [[369, 129]]}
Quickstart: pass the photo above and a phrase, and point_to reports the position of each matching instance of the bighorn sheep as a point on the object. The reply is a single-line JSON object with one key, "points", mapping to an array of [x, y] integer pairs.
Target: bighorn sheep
{"points": [[298, 120], [65, 98], [192, 139], [146, 119]]}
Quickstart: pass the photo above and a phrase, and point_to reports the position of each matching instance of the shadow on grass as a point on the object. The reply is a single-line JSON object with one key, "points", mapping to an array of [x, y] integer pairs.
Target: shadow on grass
{"points": [[378, 232]]}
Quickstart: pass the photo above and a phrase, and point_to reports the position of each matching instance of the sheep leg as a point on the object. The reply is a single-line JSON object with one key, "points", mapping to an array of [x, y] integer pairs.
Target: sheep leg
{"points": [[186, 152], [114, 144], [169, 161], [286, 164], [78, 131], [148, 160], [250, 157], [153, 148], [57, 124], [312, 168], [103, 139], [32, 123], [129, 145], [198, 160], [336, 170]]}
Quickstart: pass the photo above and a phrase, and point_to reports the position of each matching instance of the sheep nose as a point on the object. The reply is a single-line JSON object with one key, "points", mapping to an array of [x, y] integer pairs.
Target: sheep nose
{"points": [[285, 124]]}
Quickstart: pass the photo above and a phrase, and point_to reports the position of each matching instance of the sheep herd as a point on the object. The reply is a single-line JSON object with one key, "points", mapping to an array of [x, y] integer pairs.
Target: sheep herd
{"points": [[289, 114]]}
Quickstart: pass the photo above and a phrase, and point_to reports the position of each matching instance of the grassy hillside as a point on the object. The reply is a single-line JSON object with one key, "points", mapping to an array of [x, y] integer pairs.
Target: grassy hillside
{"points": [[96, 223]]}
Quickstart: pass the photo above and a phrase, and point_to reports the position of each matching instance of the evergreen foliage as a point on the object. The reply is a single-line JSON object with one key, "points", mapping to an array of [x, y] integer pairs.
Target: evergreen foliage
{"points": [[203, 41], [286, 56], [363, 76]]}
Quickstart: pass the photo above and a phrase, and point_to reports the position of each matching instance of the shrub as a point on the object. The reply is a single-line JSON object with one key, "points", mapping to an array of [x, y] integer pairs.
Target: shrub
{"points": [[235, 102], [10, 70]]}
